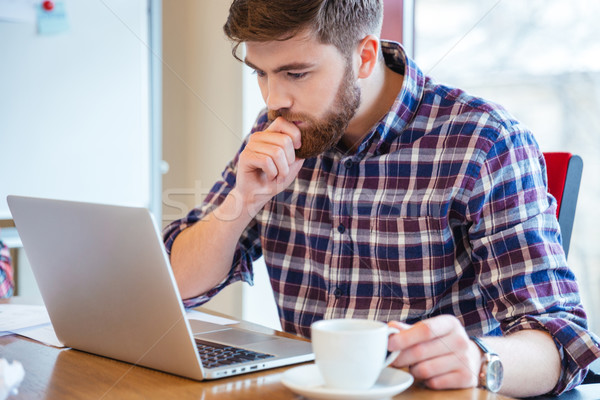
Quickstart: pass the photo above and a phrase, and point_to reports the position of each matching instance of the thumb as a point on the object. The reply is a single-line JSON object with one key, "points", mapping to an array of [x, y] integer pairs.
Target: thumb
{"points": [[401, 326]]}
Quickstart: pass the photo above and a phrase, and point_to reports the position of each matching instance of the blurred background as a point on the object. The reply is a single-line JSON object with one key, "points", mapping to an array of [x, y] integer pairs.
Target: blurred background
{"points": [[141, 102]]}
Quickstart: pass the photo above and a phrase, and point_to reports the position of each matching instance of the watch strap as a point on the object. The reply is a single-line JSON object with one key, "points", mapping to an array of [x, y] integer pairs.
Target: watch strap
{"points": [[488, 356], [482, 346]]}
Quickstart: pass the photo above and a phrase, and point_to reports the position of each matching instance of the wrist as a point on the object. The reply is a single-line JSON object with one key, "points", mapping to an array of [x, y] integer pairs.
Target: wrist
{"points": [[491, 371], [248, 204], [234, 208]]}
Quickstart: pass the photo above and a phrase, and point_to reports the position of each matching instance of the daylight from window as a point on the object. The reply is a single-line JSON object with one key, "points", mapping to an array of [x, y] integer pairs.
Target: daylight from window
{"points": [[541, 60]]}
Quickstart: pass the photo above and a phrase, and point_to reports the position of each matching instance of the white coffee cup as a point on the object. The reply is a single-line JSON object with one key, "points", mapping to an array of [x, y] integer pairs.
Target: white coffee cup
{"points": [[351, 353]]}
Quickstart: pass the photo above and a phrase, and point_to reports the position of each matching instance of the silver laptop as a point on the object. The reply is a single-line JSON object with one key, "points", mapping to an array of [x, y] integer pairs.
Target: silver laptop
{"points": [[106, 281]]}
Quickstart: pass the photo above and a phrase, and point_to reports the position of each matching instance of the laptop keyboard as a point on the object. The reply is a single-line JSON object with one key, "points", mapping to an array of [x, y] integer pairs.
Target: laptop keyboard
{"points": [[218, 355]]}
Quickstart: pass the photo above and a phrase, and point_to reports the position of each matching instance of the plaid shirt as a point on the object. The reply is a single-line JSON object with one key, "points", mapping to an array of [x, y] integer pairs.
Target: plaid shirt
{"points": [[6, 278], [443, 209]]}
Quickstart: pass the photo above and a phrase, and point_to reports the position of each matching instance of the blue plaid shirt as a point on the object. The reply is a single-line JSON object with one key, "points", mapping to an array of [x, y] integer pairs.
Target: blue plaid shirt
{"points": [[442, 209]]}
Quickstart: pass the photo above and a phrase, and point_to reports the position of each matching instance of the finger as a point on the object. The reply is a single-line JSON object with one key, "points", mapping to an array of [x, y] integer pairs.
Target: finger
{"points": [[402, 326], [276, 153], [438, 366], [446, 373], [424, 331], [449, 344], [453, 380], [296, 166], [277, 139], [392, 343], [253, 161], [455, 342], [288, 128], [285, 181]]}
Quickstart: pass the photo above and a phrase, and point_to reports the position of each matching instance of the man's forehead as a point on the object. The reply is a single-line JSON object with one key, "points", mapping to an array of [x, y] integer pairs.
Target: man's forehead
{"points": [[300, 51], [300, 40]]}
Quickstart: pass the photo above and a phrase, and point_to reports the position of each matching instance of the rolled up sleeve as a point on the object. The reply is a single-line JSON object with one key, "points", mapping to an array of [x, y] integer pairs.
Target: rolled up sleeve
{"points": [[518, 255], [248, 248]]}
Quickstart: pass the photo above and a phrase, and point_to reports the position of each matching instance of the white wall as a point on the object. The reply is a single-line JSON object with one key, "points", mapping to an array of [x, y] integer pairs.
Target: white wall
{"points": [[74, 106], [206, 115], [258, 303], [75, 112]]}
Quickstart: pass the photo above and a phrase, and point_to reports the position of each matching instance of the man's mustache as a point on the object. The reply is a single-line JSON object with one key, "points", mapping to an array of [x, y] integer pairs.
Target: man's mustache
{"points": [[288, 116]]}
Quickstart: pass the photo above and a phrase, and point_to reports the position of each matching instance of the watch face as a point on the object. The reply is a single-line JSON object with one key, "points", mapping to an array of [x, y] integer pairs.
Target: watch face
{"points": [[495, 375]]}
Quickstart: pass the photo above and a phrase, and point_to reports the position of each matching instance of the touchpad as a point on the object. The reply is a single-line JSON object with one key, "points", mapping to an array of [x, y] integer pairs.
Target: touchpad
{"points": [[203, 326], [236, 337]]}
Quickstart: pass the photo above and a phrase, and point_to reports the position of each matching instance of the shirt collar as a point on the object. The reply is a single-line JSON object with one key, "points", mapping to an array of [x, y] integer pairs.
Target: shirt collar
{"points": [[404, 108], [407, 103]]}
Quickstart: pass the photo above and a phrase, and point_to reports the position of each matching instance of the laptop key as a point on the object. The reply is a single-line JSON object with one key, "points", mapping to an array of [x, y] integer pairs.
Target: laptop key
{"points": [[217, 355]]}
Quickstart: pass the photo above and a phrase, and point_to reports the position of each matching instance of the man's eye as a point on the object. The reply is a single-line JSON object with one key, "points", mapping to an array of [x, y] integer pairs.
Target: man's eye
{"points": [[297, 75], [260, 74]]}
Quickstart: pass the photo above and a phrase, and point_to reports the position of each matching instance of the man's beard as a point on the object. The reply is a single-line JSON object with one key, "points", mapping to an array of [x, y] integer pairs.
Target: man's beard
{"points": [[321, 135]]}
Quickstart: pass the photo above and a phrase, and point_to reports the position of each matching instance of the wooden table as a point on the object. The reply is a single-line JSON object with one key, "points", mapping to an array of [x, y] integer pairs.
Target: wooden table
{"points": [[7, 223], [52, 373]]}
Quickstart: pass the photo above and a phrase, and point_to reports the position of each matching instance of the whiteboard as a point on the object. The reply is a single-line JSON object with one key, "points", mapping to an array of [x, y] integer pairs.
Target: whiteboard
{"points": [[74, 106]]}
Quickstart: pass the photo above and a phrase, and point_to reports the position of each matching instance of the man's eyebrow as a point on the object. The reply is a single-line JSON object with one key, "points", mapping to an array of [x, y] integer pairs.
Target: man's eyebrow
{"points": [[248, 63], [287, 67]]}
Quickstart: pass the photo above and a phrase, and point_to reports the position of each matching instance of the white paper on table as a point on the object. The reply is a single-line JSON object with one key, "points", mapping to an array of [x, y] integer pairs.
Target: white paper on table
{"points": [[33, 322], [42, 333], [45, 333], [18, 316], [201, 316]]}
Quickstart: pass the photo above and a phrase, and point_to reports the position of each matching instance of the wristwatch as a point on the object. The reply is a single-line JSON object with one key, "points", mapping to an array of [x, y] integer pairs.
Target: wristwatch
{"points": [[491, 373]]}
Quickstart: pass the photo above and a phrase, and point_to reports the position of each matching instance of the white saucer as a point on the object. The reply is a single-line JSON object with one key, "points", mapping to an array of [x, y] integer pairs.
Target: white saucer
{"points": [[306, 380]]}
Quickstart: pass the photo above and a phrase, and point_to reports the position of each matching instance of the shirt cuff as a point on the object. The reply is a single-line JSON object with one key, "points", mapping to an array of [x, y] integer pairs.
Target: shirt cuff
{"points": [[577, 347]]}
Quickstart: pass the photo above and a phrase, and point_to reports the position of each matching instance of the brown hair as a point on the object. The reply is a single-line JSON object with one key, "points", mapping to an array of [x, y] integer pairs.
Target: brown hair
{"points": [[342, 23]]}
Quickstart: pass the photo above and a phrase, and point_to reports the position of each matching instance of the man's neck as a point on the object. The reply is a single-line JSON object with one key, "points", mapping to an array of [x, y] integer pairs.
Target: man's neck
{"points": [[378, 93]]}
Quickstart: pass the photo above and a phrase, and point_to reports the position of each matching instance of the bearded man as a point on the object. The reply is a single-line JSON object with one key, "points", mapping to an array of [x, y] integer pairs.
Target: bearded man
{"points": [[374, 192]]}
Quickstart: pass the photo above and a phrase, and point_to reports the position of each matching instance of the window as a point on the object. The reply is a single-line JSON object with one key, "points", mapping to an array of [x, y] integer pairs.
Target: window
{"points": [[541, 60]]}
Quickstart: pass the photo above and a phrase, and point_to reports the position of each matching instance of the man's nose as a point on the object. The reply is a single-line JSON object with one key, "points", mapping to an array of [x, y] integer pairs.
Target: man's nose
{"points": [[277, 96]]}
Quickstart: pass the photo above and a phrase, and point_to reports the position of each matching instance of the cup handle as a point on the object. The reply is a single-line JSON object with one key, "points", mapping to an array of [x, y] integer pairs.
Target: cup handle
{"points": [[390, 359]]}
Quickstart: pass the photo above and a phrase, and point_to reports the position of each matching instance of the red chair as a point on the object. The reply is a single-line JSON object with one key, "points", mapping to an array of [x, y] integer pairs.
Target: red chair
{"points": [[564, 176]]}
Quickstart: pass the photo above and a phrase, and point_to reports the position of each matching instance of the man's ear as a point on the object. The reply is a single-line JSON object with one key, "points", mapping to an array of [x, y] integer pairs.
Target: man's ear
{"points": [[368, 50]]}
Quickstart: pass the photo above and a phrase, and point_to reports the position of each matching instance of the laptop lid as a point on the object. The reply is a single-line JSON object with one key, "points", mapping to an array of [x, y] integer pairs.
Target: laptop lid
{"points": [[105, 279]]}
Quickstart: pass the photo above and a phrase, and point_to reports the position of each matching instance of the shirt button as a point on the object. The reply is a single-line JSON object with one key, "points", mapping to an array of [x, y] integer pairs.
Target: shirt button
{"points": [[341, 228], [337, 293], [348, 163]]}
